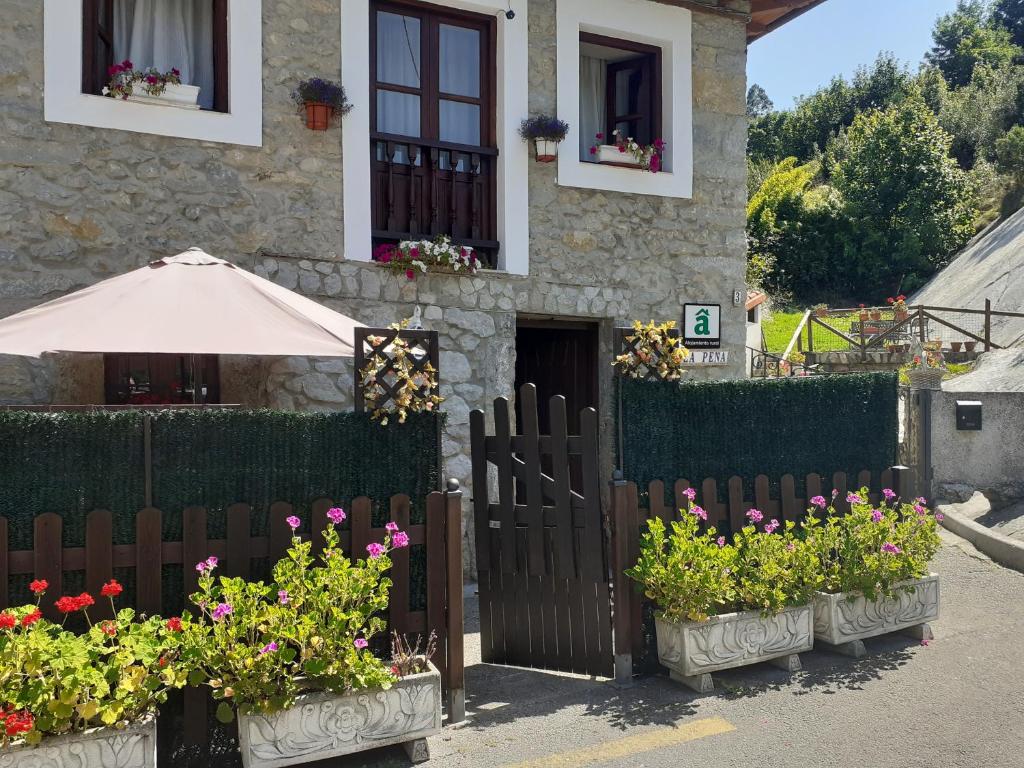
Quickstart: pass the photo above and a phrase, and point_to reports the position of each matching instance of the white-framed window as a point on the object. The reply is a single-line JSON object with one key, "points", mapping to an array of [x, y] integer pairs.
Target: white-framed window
{"points": [[625, 66], [215, 46], [361, 129]]}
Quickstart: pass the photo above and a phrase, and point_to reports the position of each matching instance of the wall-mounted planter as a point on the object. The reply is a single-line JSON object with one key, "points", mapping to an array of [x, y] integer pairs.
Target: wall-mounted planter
{"points": [[326, 725], [609, 154], [547, 150], [181, 96], [318, 116], [844, 620], [925, 378], [132, 747], [693, 650]]}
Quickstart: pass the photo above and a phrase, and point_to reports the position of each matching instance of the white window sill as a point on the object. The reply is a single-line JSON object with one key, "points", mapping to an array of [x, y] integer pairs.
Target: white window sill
{"points": [[65, 103]]}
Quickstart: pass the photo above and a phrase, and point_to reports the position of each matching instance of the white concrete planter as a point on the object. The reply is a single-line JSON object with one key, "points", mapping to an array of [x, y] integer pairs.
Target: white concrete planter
{"points": [[693, 650], [845, 619], [132, 747], [183, 96], [325, 725], [609, 153], [547, 150]]}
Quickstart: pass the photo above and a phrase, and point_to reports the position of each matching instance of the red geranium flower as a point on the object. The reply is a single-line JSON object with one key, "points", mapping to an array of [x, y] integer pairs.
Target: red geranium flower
{"points": [[16, 723], [31, 618], [163, 661], [111, 589], [8, 620], [109, 628], [174, 625], [39, 586]]}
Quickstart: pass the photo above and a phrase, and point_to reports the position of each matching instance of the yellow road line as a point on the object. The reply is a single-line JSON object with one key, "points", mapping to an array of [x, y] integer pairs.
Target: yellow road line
{"points": [[632, 745]]}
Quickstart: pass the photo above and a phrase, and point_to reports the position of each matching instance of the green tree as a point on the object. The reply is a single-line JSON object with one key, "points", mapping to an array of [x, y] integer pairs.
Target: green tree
{"points": [[758, 103], [978, 114], [967, 37], [1010, 14], [906, 199], [1010, 154]]}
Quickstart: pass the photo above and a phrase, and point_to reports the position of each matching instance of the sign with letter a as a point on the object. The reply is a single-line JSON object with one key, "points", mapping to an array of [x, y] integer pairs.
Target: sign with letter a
{"points": [[702, 326]]}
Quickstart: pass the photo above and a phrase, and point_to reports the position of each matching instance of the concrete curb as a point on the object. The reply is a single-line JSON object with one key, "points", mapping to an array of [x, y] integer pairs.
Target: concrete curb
{"points": [[1002, 549]]}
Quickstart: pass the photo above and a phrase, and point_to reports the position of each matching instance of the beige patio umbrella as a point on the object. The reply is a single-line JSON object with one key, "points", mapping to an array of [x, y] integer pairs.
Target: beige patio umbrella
{"points": [[191, 303]]}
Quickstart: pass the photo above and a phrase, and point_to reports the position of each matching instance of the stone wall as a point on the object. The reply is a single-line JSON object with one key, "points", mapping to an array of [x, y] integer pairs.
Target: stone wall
{"points": [[80, 204]]}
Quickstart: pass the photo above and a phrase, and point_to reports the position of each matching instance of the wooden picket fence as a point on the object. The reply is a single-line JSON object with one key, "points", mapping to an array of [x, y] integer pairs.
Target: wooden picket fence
{"points": [[441, 535], [726, 511]]}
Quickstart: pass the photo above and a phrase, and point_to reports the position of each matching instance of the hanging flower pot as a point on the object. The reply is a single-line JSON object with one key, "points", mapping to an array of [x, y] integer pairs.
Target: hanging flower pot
{"points": [[546, 132], [321, 100], [318, 116], [547, 150]]}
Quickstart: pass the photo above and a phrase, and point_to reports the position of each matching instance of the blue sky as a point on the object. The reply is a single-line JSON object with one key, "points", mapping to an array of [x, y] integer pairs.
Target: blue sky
{"points": [[837, 37]]}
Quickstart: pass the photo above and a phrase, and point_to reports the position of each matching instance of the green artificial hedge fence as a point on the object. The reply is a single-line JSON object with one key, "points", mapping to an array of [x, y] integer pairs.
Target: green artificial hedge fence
{"points": [[71, 463], [796, 426]]}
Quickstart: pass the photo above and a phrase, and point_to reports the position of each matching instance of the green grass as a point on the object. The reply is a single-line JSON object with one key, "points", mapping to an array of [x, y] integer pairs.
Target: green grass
{"points": [[779, 328]]}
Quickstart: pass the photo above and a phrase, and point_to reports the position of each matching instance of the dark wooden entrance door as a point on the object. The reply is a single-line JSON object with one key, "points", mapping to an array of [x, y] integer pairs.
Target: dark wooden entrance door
{"points": [[558, 358]]}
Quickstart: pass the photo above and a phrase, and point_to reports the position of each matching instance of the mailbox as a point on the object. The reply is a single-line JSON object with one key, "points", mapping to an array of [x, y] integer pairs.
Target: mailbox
{"points": [[968, 415]]}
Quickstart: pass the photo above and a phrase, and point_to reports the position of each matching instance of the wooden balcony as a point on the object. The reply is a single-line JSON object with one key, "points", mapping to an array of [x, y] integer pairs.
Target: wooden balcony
{"points": [[425, 188]]}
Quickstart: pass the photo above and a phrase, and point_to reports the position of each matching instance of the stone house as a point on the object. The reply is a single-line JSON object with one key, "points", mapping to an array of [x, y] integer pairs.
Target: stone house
{"points": [[92, 186]]}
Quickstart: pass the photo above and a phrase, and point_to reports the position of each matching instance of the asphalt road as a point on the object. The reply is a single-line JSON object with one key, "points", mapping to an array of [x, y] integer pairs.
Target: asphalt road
{"points": [[959, 702]]}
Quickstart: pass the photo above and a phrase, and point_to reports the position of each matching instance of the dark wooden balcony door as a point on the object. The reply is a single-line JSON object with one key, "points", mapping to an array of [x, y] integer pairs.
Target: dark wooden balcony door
{"points": [[432, 125]]}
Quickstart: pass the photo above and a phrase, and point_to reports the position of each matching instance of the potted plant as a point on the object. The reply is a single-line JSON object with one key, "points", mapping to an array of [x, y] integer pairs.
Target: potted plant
{"points": [[415, 257], [927, 369], [899, 308], [546, 133], [955, 346], [970, 346], [820, 310], [625, 151], [293, 657], [321, 101], [875, 565], [721, 605], [863, 314], [74, 699], [149, 86], [393, 383], [876, 314]]}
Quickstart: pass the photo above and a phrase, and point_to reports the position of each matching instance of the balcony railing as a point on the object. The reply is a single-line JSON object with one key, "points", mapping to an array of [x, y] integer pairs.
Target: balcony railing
{"points": [[424, 188]]}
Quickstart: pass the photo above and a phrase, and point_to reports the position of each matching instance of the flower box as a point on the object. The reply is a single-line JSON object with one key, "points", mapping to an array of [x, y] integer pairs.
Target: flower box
{"points": [[326, 725], [609, 154], [183, 96], [131, 747], [925, 378], [693, 650], [848, 617]]}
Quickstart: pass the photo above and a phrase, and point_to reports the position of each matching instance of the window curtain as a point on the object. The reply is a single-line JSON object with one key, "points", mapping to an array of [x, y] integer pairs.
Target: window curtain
{"points": [[168, 34], [593, 81]]}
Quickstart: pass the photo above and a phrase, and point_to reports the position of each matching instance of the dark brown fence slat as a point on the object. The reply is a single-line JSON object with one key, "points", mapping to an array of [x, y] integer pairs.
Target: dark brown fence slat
{"points": [[593, 565], [839, 484], [563, 536], [194, 549], [237, 555], [656, 501], [48, 559], [360, 526], [149, 561], [506, 486], [5, 571], [280, 532], [864, 479], [99, 560], [718, 513], [437, 579], [682, 500], [813, 486], [790, 504], [763, 498], [737, 506], [534, 495], [398, 606], [318, 524], [886, 479], [481, 497], [635, 526], [456, 615]]}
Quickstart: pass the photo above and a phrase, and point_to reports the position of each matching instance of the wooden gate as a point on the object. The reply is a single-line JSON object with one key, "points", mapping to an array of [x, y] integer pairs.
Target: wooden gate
{"points": [[544, 595]]}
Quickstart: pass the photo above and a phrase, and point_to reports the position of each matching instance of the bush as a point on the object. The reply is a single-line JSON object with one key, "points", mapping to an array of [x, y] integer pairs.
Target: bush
{"points": [[258, 646], [53, 681], [692, 574], [873, 547]]}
